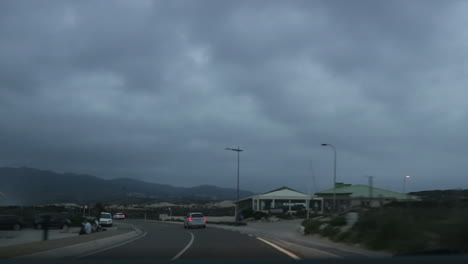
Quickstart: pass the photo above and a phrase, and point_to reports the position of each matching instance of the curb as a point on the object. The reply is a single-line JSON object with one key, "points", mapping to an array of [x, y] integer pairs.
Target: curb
{"points": [[84, 248]]}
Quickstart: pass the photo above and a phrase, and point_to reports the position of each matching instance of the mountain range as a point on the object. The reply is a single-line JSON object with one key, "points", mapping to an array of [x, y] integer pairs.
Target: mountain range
{"points": [[27, 186]]}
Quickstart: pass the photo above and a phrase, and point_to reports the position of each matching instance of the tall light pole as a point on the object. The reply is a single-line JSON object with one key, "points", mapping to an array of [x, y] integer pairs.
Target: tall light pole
{"points": [[334, 174], [404, 184], [238, 150], [371, 191]]}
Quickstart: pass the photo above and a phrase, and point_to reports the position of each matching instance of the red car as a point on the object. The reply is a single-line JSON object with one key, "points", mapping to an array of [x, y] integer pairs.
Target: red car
{"points": [[119, 216]]}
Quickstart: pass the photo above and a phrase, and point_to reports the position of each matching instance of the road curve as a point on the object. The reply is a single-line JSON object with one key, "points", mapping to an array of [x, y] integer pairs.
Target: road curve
{"points": [[167, 241]]}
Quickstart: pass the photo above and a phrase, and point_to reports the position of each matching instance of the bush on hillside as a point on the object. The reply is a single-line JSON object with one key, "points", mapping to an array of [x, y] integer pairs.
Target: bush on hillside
{"points": [[329, 231], [401, 230], [76, 220], [338, 221], [247, 213], [311, 226], [260, 215]]}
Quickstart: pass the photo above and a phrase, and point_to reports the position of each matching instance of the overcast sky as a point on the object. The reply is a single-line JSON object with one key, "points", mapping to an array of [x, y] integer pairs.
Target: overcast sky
{"points": [[156, 90]]}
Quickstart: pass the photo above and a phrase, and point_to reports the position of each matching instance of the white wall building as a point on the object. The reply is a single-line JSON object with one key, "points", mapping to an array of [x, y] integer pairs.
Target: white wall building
{"points": [[280, 198]]}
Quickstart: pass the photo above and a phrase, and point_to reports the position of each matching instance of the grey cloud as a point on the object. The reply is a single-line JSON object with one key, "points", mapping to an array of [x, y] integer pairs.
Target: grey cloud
{"points": [[156, 90]]}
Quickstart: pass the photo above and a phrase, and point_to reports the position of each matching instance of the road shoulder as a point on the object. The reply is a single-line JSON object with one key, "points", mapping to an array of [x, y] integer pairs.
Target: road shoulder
{"points": [[70, 247], [306, 246]]}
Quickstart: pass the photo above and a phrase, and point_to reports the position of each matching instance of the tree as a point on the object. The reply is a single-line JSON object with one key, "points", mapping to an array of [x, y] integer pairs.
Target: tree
{"points": [[99, 207]]}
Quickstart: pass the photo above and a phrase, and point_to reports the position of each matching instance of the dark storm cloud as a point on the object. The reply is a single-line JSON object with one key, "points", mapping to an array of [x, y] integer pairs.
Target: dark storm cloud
{"points": [[155, 90]]}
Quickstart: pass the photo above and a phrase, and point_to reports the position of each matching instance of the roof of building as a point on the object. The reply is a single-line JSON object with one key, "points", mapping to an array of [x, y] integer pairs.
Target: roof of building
{"points": [[360, 190], [284, 189], [280, 193]]}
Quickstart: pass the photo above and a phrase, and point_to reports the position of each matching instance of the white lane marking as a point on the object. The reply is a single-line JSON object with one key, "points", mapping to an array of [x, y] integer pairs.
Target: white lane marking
{"points": [[292, 255], [114, 246], [186, 247], [313, 249]]}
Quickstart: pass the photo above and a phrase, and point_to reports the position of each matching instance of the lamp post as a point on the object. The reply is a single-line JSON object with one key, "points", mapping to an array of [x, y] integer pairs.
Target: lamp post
{"points": [[334, 174], [238, 150], [404, 184]]}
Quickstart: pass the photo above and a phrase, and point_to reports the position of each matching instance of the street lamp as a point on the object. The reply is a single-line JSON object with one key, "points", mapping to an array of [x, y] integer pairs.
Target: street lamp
{"points": [[238, 150], [404, 182], [334, 174]]}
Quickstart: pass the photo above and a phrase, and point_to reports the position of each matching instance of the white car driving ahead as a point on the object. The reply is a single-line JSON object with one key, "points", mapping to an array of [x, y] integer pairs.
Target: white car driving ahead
{"points": [[195, 220], [105, 219]]}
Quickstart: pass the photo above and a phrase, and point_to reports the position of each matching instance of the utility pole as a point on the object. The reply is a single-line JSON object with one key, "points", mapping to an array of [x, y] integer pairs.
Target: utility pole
{"points": [[404, 185], [334, 175], [371, 189], [238, 150]]}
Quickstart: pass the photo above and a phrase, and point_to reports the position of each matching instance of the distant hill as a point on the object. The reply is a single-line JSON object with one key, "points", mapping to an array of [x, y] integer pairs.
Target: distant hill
{"points": [[33, 186]]}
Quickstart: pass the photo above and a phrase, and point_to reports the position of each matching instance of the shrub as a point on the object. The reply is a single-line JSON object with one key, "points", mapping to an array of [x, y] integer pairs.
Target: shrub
{"points": [[301, 213], [338, 221], [394, 230], [311, 226], [343, 236], [329, 231], [76, 220], [455, 236], [247, 213], [259, 215]]}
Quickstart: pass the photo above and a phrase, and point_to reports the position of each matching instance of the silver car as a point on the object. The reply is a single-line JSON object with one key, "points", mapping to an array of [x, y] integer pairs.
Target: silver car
{"points": [[195, 220], [105, 219]]}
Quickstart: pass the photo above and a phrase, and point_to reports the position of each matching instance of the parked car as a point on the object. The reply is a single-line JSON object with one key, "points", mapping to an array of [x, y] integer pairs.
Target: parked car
{"points": [[119, 216], [11, 222], [105, 219], [195, 220], [58, 221]]}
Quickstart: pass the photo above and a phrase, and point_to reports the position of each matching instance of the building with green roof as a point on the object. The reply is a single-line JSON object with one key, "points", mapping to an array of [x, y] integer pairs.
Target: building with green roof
{"points": [[350, 196]]}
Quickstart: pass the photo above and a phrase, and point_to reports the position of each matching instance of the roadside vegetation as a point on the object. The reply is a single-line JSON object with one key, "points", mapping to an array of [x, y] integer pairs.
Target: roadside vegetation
{"points": [[227, 223], [324, 226], [401, 228], [249, 214]]}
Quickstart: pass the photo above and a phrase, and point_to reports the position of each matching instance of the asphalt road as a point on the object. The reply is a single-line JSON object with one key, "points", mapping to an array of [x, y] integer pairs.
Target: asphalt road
{"points": [[165, 241]]}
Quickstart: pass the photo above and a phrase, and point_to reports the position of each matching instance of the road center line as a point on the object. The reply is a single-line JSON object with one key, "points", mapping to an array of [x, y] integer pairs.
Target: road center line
{"points": [[292, 255], [186, 247]]}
